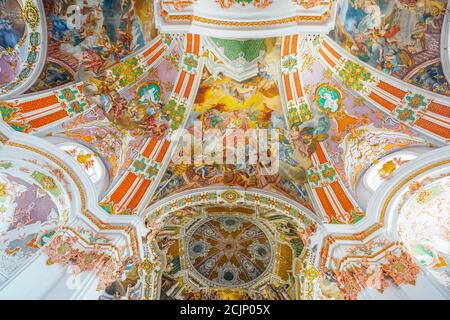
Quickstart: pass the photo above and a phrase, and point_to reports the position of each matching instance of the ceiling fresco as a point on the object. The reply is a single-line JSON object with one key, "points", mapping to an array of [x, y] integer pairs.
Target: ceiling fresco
{"points": [[11, 41], [345, 118], [53, 75], [261, 17], [29, 217], [95, 34], [32, 204], [194, 150], [423, 225], [223, 104], [22, 44], [228, 251], [222, 253]]}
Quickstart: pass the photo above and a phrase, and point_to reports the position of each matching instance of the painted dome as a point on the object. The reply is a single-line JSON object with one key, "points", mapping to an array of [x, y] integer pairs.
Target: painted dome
{"points": [[229, 251], [29, 215], [225, 149]]}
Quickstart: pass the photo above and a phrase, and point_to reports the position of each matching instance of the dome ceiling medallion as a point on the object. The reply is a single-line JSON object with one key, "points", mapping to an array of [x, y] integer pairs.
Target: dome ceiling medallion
{"points": [[245, 18], [229, 251]]}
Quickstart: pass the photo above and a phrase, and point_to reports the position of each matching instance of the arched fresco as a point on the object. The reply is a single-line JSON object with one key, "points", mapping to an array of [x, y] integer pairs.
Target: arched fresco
{"points": [[90, 162], [216, 251], [367, 145], [159, 211], [397, 37], [13, 33], [54, 74], [424, 225], [239, 249], [32, 205]]}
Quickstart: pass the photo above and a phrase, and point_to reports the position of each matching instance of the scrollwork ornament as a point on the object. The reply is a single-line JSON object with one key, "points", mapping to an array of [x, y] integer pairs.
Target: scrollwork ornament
{"points": [[30, 14]]}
